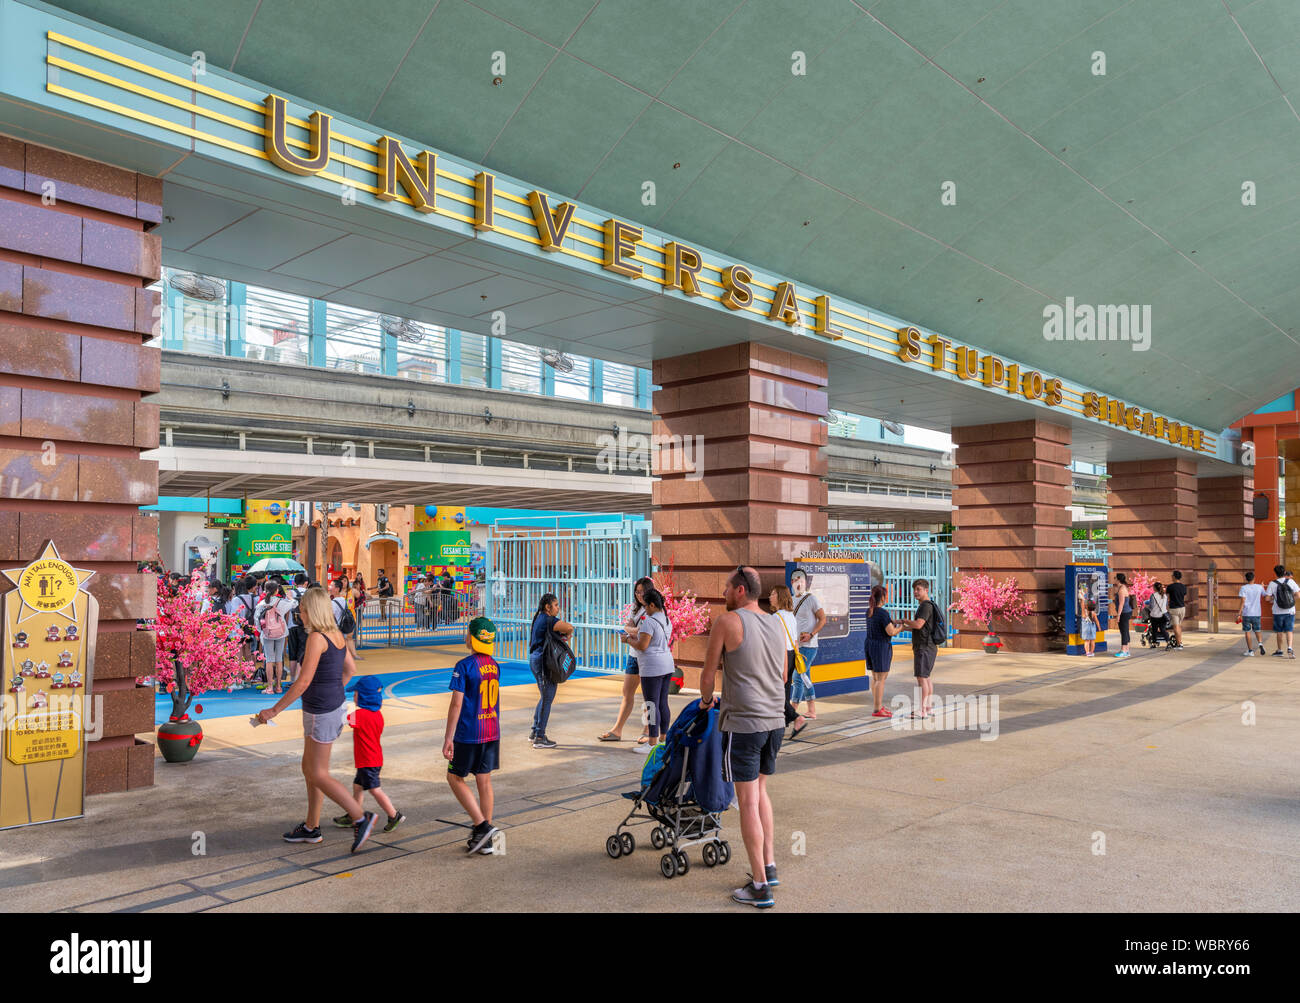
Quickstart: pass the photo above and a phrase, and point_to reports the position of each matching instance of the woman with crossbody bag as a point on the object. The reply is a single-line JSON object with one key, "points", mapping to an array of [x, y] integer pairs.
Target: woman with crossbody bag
{"points": [[783, 609]]}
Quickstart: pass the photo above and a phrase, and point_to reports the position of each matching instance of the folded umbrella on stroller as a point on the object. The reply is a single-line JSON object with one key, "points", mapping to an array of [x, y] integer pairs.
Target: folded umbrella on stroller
{"points": [[683, 792]]}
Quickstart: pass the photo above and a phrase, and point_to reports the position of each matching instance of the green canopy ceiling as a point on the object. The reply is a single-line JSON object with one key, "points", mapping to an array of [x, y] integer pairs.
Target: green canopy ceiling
{"points": [[1117, 188]]}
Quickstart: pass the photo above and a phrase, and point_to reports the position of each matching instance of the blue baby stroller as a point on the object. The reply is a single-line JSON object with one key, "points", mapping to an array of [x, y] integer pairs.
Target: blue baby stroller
{"points": [[683, 794]]}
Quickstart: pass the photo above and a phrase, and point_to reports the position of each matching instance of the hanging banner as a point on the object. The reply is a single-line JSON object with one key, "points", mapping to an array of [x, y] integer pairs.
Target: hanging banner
{"points": [[47, 660]]}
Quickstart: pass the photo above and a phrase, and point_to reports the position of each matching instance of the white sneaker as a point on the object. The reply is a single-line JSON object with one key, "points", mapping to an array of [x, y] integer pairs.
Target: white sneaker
{"points": [[1250, 654]]}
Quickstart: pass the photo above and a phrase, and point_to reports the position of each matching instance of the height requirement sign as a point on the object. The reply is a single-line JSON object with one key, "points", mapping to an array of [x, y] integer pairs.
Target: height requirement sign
{"points": [[47, 662]]}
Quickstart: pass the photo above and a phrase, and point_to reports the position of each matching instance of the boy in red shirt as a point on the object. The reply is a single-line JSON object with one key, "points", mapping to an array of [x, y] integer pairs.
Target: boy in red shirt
{"points": [[367, 726]]}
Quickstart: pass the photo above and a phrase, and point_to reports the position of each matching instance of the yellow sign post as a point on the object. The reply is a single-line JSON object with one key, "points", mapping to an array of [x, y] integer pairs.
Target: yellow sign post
{"points": [[47, 666]]}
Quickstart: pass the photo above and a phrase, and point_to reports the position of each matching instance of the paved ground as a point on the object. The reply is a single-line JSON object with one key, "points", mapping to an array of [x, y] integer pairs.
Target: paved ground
{"points": [[1150, 758]]}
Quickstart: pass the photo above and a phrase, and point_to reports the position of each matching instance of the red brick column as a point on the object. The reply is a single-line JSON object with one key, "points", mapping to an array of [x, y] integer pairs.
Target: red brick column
{"points": [[759, 497], [74, 369], [1011, 519], [1152, 523], [1225, 532]]}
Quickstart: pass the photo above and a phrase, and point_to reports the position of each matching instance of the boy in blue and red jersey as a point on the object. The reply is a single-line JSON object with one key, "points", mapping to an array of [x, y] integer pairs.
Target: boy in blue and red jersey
{"points": [[473, 739]]}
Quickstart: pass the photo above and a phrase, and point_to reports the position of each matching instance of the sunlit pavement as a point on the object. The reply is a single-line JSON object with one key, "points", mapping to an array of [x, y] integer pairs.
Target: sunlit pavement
{"points": [[1161, 782]]}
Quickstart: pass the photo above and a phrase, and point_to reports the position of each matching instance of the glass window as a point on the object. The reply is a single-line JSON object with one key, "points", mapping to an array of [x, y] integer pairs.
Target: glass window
{"points": [[521, 368], [473, 359], [577, 384], [620, 384], [202, 322], [277, 326], [352, 339], [426, 358]]}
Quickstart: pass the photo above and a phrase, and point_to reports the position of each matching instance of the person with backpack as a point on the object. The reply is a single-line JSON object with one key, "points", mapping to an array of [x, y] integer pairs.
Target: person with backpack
{"points": [[927, 630], [242, 604], [1281, 593], [343, 615], [655, 665], [272, 618], [295, 644], [545, 621]]}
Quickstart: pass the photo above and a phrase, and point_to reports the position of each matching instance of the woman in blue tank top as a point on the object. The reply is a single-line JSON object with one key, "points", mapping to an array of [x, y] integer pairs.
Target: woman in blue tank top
{"points": [[326, 667]]}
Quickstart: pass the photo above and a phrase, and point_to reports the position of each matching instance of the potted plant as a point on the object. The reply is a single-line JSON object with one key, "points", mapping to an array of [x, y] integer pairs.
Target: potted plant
{"points": [[1140, 586], [195, 652], [982, 600]]}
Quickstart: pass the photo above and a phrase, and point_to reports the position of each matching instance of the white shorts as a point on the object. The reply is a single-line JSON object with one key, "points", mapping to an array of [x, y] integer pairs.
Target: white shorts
{"points": [[324, 728]]}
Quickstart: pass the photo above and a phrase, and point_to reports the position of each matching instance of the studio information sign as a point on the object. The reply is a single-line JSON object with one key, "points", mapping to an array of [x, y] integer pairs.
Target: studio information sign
{"points": [[47, 661]]}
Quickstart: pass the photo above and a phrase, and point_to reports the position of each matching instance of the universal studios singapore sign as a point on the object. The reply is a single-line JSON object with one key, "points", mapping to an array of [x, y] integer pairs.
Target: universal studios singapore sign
{"points": [[683, 264]]}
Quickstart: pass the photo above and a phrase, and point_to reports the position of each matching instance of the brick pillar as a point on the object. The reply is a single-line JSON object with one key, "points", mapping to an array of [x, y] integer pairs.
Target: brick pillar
{"points": [[1225, 532], [74, 316], [750, 490], [1153, 523], [1011, 519]]}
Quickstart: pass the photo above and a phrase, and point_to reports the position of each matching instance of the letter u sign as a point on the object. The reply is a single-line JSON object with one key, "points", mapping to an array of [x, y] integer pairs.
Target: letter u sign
{"points": [[277, 140]]}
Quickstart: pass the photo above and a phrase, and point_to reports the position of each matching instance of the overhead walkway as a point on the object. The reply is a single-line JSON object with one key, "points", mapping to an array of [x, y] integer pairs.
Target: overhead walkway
{"points": [[257, 429]]}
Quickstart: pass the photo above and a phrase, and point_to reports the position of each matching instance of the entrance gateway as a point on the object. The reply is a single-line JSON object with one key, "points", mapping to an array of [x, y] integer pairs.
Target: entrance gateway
{"points": [[271, 189]]}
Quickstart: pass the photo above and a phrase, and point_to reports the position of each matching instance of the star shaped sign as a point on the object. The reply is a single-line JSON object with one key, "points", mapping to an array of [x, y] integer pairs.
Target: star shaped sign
{"points": [[48, 585]]}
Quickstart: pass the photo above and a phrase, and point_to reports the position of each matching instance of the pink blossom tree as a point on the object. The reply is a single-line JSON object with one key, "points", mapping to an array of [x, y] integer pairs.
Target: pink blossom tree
{"points": [[196, 651], [1141, 585], [981, 600]]}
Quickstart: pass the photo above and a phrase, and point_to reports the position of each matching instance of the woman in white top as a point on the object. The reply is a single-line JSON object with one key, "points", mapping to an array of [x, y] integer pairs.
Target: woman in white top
{"points": [[651, 639], [631, 677], [1158, 611], [782, 604]]}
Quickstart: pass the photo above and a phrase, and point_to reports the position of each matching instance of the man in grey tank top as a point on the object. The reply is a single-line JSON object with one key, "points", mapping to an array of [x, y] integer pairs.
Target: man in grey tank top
{"points": [[749, 646]]}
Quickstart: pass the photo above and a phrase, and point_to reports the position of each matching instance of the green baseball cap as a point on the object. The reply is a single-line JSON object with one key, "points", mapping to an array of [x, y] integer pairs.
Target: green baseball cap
{"points": [[482, 634]]}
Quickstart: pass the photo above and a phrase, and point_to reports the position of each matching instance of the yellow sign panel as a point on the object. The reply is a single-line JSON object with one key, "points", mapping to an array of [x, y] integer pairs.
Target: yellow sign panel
{"points": [[47, 643], [48, 585], [43, 736]]}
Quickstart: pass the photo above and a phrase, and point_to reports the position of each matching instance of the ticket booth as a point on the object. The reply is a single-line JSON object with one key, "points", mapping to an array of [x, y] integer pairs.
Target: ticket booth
{"points": [[1085, 582]]}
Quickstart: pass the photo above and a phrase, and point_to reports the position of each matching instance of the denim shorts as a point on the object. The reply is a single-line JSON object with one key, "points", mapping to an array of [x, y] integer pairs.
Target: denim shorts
{"points": [[1282, 622], [324, 728], [1250, 623], [630, 667]]}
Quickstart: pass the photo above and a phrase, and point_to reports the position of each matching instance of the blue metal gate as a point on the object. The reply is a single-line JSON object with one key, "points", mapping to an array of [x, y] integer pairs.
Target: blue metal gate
{"points": [[591, 570], [901, 561]]}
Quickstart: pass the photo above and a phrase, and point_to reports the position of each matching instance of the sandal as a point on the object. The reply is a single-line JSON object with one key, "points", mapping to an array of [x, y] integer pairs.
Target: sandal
{"points": [[799, 730], [609, 736], [643, 740]]}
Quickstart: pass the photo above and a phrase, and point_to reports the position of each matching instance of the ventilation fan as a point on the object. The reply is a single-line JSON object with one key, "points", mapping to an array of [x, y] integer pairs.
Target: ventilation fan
{"points": [[946, 459], [556, 360], [198, 287], [402, 329]]}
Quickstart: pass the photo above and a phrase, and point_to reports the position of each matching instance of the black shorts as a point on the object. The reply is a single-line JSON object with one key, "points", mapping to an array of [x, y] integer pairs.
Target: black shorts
{"points": [[745, 756], [367, 777], [923, 661], [477, 758]]}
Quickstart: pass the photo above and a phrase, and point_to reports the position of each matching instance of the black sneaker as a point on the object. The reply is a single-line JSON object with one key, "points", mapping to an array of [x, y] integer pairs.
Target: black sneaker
{"points": [[760, 898], [1278, 654], [344, 821], [542, 742], [301, 834], [361, 830], [772, 882], [482, 835], [394, 822], [1262, 651], [532, 737]]}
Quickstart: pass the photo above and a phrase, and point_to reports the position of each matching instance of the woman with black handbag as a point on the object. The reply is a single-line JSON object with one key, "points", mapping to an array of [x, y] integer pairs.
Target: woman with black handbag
{"points": [[545, 621]]}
